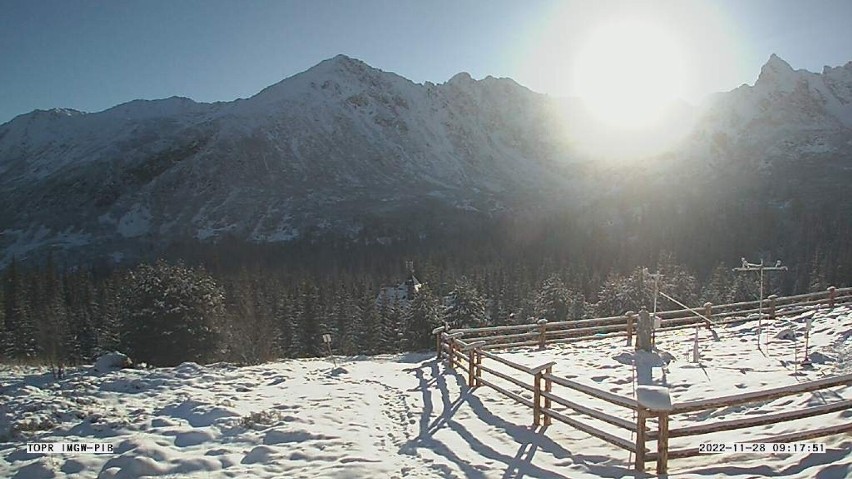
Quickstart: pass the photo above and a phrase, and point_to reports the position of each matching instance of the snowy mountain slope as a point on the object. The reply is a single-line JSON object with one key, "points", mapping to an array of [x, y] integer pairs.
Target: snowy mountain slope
{"points": [[786, 114], [343, 147], [339, 140], [782, 145]]}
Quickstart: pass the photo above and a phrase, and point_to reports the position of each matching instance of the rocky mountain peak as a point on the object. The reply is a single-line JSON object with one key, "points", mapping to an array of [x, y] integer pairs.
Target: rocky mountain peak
{"points": [[776, 73], [341, 63], [45, 115], [341, 148], [339, 75], [461, 78]]}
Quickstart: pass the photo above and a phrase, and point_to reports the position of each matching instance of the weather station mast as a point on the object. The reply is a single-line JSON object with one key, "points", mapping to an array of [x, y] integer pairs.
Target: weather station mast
{"points": [[761, 268]]}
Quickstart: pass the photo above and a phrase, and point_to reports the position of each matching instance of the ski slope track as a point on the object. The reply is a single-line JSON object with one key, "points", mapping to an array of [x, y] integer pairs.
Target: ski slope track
{"points": [[411, 416]]}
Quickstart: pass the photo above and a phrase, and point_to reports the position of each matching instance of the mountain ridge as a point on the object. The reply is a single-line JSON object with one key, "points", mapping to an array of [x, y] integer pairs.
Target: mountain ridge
{"points": [[343, 148]]}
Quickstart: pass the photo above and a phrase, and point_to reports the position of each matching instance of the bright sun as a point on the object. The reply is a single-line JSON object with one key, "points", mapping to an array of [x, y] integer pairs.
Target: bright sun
{"points": [[628, 72]]}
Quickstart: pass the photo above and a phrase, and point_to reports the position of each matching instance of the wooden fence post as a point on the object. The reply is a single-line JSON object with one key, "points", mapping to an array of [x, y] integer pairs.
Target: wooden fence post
{"points": [[708, 312], [653, 401], [548, 387], [471, 369], [438, 332], [478, 379], [641, 416], [538, 373], [631, 318], [537, 399], [472, 354], [542, 333], [452, 344], [772, 299], [663, 444], [832, 295]]}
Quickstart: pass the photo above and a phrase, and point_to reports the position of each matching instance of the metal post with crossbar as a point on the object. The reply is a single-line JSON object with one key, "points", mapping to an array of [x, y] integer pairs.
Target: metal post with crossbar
{"points": [[761, 268]]}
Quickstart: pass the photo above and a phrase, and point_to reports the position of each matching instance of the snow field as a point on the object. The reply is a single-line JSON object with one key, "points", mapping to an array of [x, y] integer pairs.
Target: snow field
{"points": [[730, 363], [409, 416], [289, 419]]}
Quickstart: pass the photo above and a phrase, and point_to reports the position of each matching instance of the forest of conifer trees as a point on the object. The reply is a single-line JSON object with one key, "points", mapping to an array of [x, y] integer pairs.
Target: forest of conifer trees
{"points": [[249, 311]]}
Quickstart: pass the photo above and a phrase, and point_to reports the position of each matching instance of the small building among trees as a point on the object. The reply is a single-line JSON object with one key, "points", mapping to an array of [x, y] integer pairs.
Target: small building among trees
{"points": [[401, 294]]}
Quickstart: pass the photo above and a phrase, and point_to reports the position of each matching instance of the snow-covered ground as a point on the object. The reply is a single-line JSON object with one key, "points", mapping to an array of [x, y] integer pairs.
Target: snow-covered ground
{"points": [[408, 416]]}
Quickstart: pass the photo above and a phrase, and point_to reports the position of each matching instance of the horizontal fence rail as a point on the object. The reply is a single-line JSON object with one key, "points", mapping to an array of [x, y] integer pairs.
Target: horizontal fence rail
{"points": [[542, 333], [469, 355], [663, 435], [467, 349]]}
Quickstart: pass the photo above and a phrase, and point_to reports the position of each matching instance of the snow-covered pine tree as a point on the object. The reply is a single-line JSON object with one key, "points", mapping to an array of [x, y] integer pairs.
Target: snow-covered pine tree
{"points": [[52, 317], [620, 294], [79, 300], [343, 321], [746, 287], [285, 314], [107, 322], [172, 313], [553, 300], [251, 334], [467, 307], [20, 338], [816, 273], [420, 318], [3, 333], [718, 287], [502, 300], [308, 314], [370, 330], [677, 282], [390, 314]]}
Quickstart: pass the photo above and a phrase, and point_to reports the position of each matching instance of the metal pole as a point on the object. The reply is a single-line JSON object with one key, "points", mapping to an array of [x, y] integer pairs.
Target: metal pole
{"points": [[656, 293], [709, 320], [795, 355], [760, 305], [807, 360], [656, 290], [760, 267], [331, 355], [696, 355]]}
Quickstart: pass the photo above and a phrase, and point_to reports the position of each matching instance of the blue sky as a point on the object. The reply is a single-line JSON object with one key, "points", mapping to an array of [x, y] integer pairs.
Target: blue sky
{"points": [[91, 55]]}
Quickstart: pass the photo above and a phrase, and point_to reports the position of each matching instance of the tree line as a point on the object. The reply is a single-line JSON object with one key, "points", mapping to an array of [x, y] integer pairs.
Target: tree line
{"points": [[167, 312]]}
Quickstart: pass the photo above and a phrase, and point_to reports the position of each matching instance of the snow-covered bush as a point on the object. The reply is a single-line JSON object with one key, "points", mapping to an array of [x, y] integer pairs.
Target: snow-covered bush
{"points": [[111, 361], [171, 314]]}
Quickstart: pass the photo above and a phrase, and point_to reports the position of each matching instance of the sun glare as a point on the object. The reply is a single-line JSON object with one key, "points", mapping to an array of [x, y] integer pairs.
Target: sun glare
{"points": [[629, 72]]}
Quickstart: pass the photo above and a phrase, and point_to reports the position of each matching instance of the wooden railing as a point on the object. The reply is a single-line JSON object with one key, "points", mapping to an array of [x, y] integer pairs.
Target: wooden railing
{"points": [[542, 332], [663, 434], [537, 382], [466, 349]]}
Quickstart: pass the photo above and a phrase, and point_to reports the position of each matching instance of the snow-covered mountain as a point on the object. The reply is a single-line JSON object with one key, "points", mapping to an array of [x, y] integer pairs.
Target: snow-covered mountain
{"points": [[786, 115], [322, 150], [348, 149]]}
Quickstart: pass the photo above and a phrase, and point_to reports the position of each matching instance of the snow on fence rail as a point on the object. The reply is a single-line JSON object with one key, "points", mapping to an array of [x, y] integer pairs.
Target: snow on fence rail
{"points": [[539, 381], [663, 434], [468, 353], [542, 332]]}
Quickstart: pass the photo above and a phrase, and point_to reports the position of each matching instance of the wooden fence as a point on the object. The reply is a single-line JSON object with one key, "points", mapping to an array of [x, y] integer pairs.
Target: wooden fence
{"points": [[663, 434], [542, 332], [533, 387]]}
